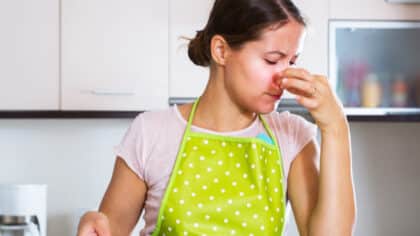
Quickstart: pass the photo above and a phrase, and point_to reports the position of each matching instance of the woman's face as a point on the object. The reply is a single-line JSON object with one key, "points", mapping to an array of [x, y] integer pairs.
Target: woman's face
{"points": [[251, 70]]}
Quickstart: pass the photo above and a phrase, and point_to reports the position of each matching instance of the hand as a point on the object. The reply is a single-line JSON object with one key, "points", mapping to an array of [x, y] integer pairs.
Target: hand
{"points": [[94, 224], [315, 94]]}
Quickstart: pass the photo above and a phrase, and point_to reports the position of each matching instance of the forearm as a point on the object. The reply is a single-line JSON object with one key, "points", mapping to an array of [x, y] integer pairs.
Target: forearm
{"points": [[334, 213], [123, 200]]}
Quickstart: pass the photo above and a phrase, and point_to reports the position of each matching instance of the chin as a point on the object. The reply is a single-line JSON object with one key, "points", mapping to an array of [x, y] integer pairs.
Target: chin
{"points": [[260, 105], [266, 108]]}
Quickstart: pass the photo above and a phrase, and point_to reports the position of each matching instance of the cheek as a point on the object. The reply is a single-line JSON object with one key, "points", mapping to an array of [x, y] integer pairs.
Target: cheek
{"points": [[264, 75], [255, 73]]}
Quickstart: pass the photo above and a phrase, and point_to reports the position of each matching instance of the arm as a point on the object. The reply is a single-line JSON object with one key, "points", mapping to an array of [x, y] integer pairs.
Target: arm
{"points": [[123, 200], [334, 213], [303, 185], [323, 203]]}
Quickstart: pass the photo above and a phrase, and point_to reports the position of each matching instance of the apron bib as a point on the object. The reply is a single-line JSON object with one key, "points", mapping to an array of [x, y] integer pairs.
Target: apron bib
{"points": [[223, 185]]}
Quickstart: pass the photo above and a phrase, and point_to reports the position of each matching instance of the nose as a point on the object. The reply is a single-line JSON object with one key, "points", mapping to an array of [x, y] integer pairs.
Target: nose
{"points": [[275, 81], [278, 72]]}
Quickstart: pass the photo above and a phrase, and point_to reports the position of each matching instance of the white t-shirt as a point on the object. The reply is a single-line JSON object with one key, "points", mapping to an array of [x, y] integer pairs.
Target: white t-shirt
{"points": [[151, 143]]}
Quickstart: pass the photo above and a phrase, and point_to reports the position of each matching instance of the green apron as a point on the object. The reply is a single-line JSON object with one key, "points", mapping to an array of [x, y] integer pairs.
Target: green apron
{"points": [[223, 185]]}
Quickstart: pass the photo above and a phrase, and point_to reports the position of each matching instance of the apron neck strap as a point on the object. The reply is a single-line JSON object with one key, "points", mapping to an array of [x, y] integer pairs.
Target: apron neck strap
{"points": [[192, 113], [268, 129], [194, 108]]}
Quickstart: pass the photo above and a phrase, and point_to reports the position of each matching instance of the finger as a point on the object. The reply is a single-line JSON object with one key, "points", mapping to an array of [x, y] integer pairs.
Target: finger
{"points": [[321, 78], [103, 232], [87, 230], [103, 228], [298, 87], [297, 73], [296, 92], [310, 104]]}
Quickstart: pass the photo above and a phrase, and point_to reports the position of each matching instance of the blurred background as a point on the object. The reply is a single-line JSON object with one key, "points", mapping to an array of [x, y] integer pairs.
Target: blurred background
{"points": [[74, 73]]}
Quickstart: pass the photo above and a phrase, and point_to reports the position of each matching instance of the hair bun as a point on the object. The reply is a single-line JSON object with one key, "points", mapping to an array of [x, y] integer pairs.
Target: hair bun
{"points": [[199, 49]]}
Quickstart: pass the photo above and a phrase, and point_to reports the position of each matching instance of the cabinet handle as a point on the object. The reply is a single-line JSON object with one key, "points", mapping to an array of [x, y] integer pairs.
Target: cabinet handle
{"points": [[107, 93], [180, 100]]}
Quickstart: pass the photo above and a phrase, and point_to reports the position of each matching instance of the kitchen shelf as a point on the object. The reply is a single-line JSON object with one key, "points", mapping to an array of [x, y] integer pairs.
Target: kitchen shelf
{"points": [[293, 107], [133, 114], [286, 105], [67, 114]]}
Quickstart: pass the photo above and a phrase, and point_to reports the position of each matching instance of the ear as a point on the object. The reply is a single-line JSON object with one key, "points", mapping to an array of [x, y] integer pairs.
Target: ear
{"points": [[219, 49]]}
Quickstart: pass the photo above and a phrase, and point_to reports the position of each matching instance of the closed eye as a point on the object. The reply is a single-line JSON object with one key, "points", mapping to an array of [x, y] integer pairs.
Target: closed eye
{"points": [[270, 62], [291, 63]]}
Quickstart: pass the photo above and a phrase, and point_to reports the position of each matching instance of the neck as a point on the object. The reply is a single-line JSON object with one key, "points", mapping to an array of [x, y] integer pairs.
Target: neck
{"points": [[217, 110]]}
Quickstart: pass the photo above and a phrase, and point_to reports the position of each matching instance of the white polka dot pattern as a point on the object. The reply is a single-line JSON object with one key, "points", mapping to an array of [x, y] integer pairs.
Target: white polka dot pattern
{"points": [[230, 186]]}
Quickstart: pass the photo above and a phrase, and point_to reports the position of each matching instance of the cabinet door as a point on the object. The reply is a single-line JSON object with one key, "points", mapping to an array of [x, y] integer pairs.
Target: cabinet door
{"points": [[29, 55], [314, 54], [114, 55], [186, 17], [373, 10]]}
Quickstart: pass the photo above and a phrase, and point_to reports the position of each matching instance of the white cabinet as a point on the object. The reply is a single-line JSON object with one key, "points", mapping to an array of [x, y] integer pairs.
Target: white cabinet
{"points": [[29, 55], [185, 18], [114, 54], [314, 55], [373, 10]]}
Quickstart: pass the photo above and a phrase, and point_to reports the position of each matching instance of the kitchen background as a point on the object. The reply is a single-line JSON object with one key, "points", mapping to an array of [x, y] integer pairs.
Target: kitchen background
{"points": [[82, 59]]}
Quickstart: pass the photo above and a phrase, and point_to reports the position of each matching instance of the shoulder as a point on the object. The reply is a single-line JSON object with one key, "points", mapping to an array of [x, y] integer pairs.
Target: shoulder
{"points": [[156, 115], [154, 119], [292, 131], [146, 141], [287, 122], [153, 130], [150, 126]]}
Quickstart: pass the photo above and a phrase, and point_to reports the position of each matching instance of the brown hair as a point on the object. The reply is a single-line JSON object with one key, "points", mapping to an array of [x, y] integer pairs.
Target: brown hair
{"points": [[240, 21]]}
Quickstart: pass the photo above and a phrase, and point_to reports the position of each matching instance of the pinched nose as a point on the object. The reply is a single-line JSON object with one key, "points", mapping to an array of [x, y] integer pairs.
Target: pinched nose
{"points": [[275, 82]]}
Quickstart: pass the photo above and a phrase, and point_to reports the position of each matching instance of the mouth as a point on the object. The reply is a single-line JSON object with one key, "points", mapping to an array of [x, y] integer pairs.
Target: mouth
{"points": [[275, 96]]}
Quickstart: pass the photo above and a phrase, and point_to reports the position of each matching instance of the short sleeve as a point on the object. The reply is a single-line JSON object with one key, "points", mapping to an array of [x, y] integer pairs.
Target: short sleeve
{"points": [[293, 132], [301, 132], [131, 146]]}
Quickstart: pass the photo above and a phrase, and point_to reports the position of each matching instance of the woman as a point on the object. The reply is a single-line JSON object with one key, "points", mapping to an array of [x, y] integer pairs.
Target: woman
{"points": [[228, 164]]}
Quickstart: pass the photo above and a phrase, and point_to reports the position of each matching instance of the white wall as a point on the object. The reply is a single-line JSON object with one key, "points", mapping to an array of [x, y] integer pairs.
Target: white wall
{"points": [[75, 158]]}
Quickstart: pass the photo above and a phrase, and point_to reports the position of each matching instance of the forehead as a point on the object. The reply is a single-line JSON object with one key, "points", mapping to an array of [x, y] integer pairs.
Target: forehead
{"points": [[287, 38]]}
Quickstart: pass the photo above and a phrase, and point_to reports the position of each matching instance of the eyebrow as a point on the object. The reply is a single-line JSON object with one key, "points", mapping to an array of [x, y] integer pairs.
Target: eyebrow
{"points": [[281, 53]]}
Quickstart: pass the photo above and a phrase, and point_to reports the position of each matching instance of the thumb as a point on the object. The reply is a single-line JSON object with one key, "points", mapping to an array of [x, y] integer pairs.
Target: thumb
{"points": [[102, 227], [87, 231]]}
